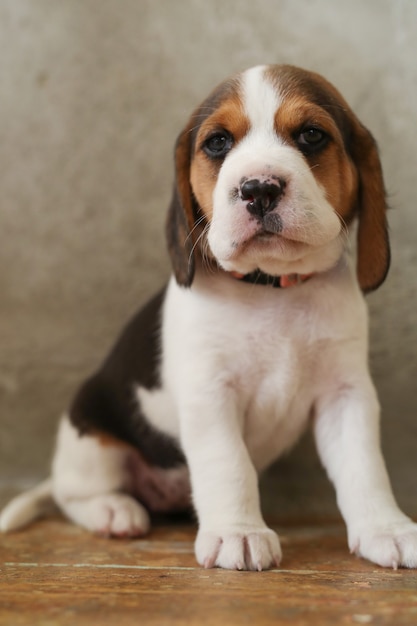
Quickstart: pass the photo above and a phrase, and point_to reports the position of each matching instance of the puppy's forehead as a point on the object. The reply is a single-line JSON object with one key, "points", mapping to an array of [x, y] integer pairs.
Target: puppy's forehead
{"points": [[260, 92], [261, 98]]}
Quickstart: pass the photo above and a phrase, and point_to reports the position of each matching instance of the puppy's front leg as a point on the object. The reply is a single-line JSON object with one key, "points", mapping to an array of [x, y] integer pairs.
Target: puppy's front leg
{"points": [[347, 435], [232, 533]]}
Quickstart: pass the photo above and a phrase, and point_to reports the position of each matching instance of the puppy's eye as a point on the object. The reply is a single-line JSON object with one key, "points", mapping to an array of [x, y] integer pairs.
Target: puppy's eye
{"points": [[311, 140], [218, 144]]}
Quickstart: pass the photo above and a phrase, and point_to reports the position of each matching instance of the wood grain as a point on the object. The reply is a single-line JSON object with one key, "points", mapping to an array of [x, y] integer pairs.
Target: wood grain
{"points": [[55, 574]]}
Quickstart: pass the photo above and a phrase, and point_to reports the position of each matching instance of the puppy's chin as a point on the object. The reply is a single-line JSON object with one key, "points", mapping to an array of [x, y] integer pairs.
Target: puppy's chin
{"points": [[278, 255]]}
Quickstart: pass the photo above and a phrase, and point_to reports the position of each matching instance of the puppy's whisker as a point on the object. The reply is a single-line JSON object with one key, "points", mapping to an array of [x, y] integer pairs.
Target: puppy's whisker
{"points": [[345, 232], [197, 223], [198, 240], [206, 255]]}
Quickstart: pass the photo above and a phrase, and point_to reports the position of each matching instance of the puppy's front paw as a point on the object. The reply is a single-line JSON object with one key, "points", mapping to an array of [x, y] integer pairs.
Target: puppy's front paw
{"points": [[389, 545], [239, 547]]}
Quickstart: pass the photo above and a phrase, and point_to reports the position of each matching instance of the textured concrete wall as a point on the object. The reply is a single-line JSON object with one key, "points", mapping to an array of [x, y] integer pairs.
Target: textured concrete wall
{"points": [[92, 96]]}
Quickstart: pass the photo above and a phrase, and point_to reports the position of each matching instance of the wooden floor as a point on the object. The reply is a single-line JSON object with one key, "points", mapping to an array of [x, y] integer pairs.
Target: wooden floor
{"points": [[55, 574]]}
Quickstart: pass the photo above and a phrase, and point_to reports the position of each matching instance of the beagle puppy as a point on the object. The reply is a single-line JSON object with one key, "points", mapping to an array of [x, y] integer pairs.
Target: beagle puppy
{"points": [[261, 332]]}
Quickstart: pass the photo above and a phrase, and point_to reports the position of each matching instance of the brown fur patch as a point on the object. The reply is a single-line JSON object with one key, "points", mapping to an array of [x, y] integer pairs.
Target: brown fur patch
{"points": [[373, 243], [229, 116], [108, 441], [332, 166]]}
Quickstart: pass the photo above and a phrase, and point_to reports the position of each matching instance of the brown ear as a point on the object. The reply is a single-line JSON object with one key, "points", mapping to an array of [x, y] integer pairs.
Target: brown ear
{"points": [[373, 252], [180, 219]]}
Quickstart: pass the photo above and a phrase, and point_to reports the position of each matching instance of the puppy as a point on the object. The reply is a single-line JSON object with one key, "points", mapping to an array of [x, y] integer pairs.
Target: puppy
{"points": [[261, 331]]}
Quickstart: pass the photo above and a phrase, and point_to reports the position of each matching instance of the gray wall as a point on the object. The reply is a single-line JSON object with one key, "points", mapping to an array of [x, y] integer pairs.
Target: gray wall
{"points": [[92, 96]]}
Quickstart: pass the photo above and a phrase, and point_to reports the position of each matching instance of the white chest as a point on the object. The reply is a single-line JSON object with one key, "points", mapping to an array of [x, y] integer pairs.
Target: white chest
{"points": [[260, 355]]}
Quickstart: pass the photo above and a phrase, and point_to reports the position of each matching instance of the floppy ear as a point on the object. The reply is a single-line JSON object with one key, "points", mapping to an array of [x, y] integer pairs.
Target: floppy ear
{"points": [[180, 219], [373, 252]]}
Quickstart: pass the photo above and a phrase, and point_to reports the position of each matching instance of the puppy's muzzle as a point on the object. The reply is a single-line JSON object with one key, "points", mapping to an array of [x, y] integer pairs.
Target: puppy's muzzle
{"points": [[263, 197]]}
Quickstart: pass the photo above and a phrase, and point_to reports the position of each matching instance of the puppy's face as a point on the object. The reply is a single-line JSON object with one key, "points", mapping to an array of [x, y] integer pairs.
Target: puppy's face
{"points": [[274, 164]]}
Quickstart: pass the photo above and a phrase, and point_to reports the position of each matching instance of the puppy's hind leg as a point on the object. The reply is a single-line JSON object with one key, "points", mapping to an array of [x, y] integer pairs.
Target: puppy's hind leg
{"points": [[91, 483]]}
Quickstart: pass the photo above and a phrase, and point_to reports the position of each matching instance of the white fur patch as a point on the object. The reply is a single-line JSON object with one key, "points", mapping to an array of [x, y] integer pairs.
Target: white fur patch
{"points": [[261, 100]]}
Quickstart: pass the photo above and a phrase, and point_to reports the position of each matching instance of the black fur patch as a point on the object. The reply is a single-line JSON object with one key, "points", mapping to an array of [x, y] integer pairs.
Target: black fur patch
{"points": [[106, 402]]}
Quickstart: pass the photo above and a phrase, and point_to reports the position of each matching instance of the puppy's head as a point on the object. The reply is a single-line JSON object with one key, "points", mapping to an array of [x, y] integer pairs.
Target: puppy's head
{"points": [[271, 170]]}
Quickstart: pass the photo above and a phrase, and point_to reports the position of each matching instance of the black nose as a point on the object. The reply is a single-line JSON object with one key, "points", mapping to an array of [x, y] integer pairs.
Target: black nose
{"points": [[262, 196]]}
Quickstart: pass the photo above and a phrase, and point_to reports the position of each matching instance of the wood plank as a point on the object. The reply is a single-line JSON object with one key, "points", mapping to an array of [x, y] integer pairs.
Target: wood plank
{"points": [[55, 574]]}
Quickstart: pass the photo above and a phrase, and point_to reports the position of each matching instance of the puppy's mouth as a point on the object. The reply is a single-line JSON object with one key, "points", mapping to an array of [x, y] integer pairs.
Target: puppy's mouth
{"points": [[269, 235], [277, 245], [273, 232], [265, 250]]}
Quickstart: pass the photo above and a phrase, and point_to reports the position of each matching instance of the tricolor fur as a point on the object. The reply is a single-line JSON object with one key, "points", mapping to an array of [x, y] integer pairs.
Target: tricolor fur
{"points": [[221, 372]]}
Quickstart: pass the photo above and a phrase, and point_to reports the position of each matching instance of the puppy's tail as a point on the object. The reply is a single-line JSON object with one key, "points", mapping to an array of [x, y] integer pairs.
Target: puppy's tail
{"points": [[27, 507]]}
